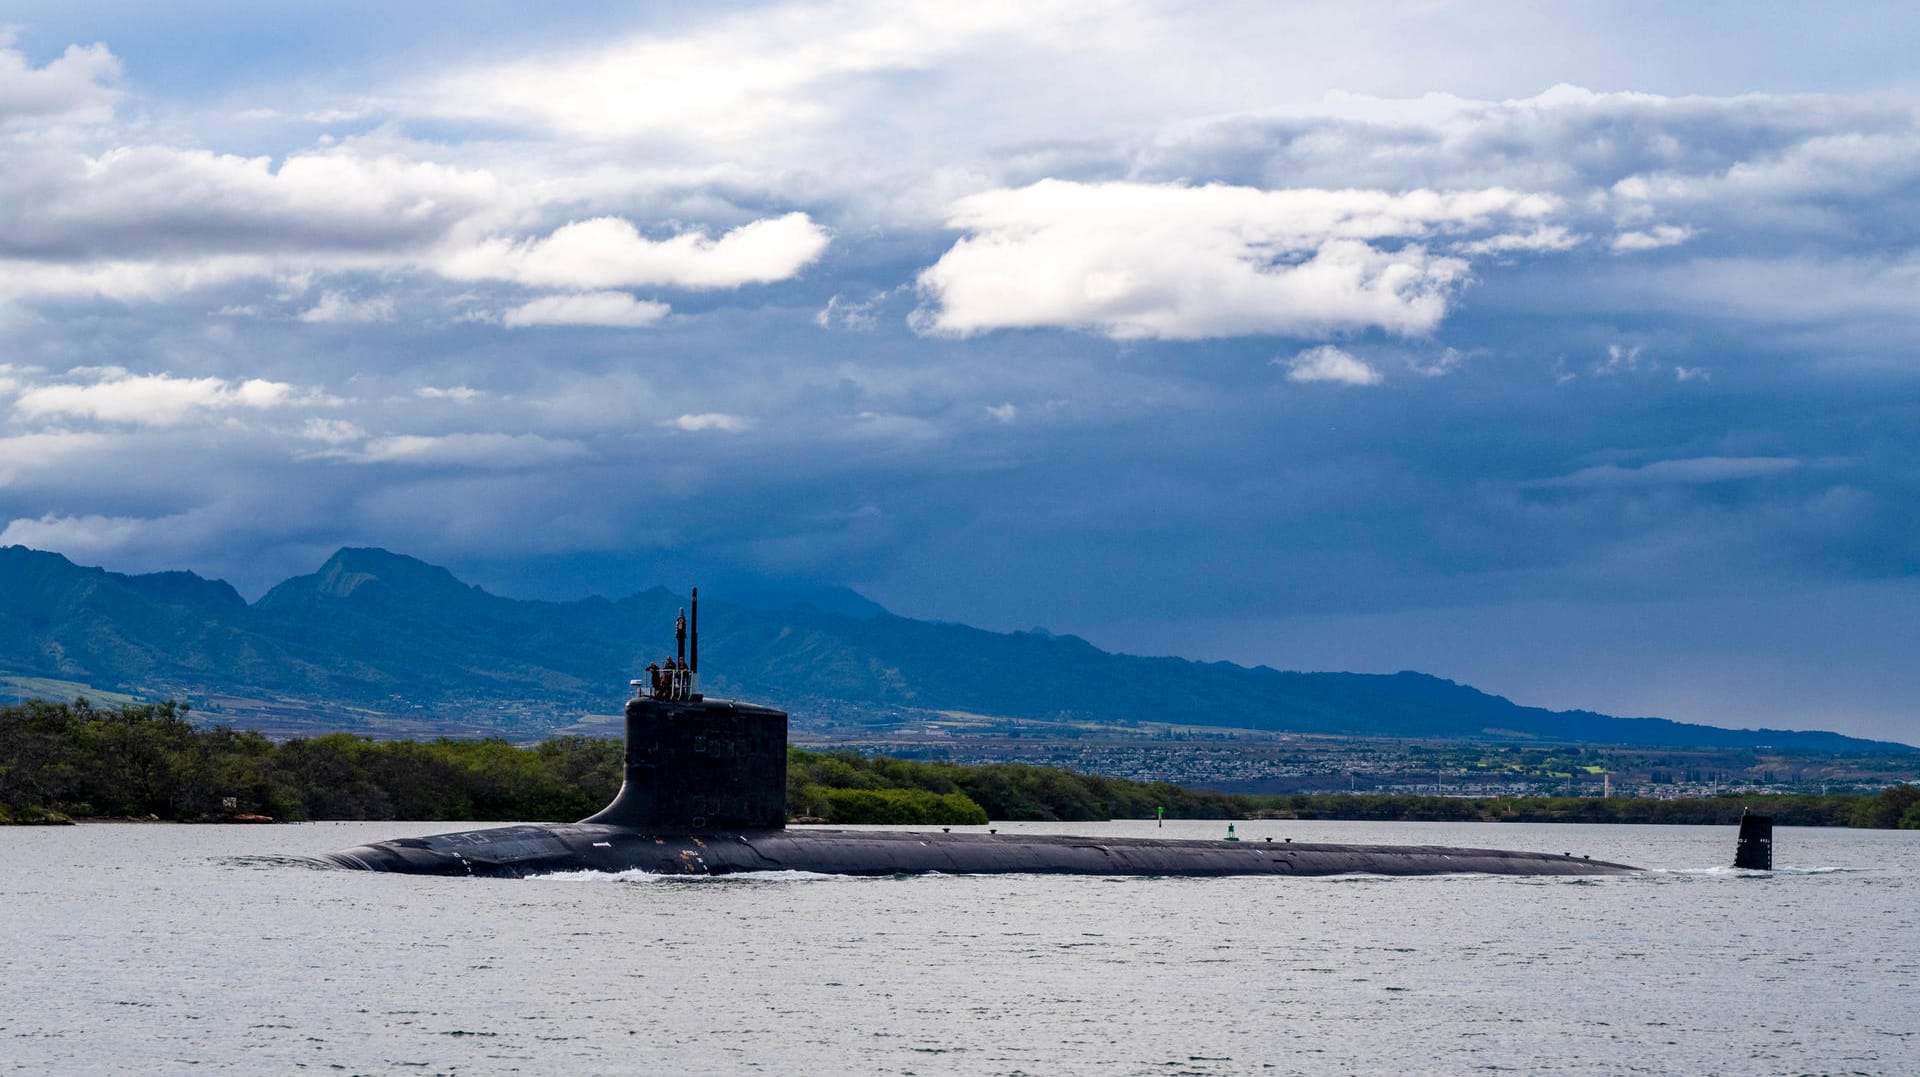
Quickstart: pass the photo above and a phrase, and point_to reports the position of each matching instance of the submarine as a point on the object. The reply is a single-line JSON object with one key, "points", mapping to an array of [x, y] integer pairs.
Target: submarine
{"points": [[704, 793]]}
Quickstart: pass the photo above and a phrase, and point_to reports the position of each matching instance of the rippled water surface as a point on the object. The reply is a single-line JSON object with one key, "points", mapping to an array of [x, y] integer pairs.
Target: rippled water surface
{"points": [[151, 949]]}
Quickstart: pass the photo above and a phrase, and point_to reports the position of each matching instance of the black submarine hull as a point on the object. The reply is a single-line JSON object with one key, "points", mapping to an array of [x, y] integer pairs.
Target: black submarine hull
{"points": [[519, 851], [705, 794]]}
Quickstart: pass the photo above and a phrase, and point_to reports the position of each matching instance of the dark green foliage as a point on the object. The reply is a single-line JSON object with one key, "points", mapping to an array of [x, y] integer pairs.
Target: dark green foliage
{"points": [[147, 759], [896, 806], [32, 817], [1010, 791], [1005, 790], [1898, 806]]}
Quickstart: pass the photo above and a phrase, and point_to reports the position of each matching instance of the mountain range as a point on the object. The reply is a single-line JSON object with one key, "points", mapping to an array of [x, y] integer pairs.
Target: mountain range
{"points": [[376, 641]]}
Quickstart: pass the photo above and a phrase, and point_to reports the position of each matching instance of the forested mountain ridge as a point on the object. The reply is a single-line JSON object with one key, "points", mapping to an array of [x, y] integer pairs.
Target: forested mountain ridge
{"points": [[382, 632]]}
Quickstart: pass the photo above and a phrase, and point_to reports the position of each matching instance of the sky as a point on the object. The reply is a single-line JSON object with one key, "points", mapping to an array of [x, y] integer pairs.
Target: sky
{"points": [[1567, 350]]}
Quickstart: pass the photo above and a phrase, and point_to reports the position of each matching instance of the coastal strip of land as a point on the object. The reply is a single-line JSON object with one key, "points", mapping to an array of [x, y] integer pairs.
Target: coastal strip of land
{"points": [[61, 761]]}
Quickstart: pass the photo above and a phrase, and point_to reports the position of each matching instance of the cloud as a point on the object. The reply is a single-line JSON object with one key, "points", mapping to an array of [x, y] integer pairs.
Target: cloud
{"points": [[1621, 359], [1178, 262], [76, 536], [331, 431], [144, 223], [1547, 237], [1751, 183], [614, 309], [339, 308], [161, 203], [1864, 293], [23, 452], [1448, 361], [1329, 364], [116, 395], [1693, 471], [1692, 373], [126, 280], [471, 450], [843, 313], [1003, 413], [1664, 235], [608, 252], [462, 393], [714, 420], [11, 377], [75, 86], [890, 427], [768, 73]]}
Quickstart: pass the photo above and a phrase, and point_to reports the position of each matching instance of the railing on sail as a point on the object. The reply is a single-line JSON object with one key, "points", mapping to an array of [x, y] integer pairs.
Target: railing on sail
{"points": [[667, 685]]}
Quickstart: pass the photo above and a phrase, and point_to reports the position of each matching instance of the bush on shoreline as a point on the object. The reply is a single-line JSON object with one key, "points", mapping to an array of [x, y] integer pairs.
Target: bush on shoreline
{"points": [[75, 759], [32, 817]]}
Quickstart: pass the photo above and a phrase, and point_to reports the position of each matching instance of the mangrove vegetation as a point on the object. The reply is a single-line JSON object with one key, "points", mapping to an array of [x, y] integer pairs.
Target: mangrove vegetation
{"points": [[60, 760]]}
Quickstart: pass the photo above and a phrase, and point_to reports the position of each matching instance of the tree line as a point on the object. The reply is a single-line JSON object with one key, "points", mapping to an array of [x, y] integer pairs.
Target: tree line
{"points": [[1021, 792], [139, 760]]}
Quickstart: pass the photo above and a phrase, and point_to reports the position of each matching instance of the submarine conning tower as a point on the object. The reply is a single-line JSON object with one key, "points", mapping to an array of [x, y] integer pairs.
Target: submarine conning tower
{"points": [[696, 765]]}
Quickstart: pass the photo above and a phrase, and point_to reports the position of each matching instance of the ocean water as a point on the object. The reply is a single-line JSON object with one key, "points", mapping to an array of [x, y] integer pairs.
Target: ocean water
{"points": [[129, 948]]}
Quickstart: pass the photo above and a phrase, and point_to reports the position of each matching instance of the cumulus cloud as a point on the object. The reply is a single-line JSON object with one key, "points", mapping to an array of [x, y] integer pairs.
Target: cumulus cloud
{"points": [[1693, 471], [1170, 261], [1003, 413], [338, 307], [1329, 364], [116, 395], [613, 309], [1749, 182], [608, 252], [714, 420], [461, 393], [75, 86]]}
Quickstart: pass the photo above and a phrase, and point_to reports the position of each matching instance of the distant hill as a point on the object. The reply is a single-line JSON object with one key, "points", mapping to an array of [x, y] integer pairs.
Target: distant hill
{"points": [[373, 632]]}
